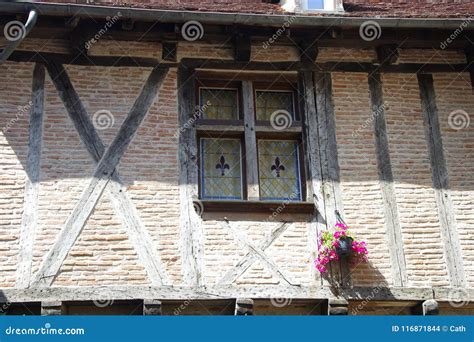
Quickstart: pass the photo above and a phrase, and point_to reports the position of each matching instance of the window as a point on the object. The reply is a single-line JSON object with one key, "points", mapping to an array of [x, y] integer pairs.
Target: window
{"points": [[242, 154], [312, 5]]}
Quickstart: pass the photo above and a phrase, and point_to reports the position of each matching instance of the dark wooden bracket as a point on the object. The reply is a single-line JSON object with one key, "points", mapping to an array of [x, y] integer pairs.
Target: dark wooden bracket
{"points": [[169, 51], [387, 54], [308, 50], [242, 47]]}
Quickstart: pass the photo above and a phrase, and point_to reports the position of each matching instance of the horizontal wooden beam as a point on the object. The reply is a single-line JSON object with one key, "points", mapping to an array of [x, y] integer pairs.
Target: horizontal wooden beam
{"points": [[219, 64], [116, 61], [89, 293]]}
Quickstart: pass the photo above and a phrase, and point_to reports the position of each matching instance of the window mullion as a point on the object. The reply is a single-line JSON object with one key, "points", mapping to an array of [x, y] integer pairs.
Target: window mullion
{"points": [[253, 191]]}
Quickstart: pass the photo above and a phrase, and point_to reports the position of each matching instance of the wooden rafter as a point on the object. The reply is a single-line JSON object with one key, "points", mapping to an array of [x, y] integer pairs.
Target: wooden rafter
{"points": [[105, 172]]}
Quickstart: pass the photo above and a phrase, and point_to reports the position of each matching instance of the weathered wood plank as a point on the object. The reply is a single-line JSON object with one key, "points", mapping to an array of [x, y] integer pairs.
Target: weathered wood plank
{"points": [[253, 188], [244, 264], [329, 162], [190, 222], [314, 183], [121, 203], [104, 170], [88, 293], [29, 218], [440, 178], [392, 221], [256, 251]]}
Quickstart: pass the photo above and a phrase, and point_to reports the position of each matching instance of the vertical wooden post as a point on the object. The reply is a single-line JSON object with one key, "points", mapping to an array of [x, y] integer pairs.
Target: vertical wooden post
{"points": [[152, 307], [329, 158], [253, 192], [191, 228], [439, 173], [314, 181], [52, 309], [29, 218], [392, 222], [243, 307]]}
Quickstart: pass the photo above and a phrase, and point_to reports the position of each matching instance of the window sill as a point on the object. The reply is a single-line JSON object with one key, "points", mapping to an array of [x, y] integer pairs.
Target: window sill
{"points": [[255, 210]]}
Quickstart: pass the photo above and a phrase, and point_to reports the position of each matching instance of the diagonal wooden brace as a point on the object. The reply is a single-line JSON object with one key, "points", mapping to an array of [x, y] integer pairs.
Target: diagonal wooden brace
{"points": [[105, 171]]}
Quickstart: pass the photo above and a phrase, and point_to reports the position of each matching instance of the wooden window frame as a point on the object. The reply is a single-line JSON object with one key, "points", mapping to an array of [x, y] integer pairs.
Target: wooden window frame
{"points": [[250, 131]]}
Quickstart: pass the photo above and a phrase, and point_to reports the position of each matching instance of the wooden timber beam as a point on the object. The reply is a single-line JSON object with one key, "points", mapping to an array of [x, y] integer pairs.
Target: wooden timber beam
{"points": [[440, 179], [384, 164], [29, 218], [470, 61], [88, 293], [242, 47], [190, 221], [308, 50], [169, 51]]}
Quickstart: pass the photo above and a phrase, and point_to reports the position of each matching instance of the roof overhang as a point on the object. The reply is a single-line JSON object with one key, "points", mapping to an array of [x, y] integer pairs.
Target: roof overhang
{"points": [[219, 18]]}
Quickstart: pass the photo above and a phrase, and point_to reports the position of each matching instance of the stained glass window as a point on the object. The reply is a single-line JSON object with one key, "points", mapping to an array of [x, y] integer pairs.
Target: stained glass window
{"points": [[268, 102], [219, 104], [279, 170], [221, 174]]}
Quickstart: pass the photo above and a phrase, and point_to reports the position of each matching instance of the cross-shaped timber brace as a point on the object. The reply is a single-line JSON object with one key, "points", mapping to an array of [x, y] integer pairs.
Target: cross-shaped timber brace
{"points": [[254, 253], [107, 161]]}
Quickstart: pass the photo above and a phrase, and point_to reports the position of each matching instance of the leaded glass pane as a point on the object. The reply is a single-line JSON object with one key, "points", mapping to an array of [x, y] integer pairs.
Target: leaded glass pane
{"points": [[219, 104], [268, 102], [279, 170], [221, 174]]}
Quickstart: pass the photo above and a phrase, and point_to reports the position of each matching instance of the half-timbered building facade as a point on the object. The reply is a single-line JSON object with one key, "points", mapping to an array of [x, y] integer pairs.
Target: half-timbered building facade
{"points": [[183, 157]]}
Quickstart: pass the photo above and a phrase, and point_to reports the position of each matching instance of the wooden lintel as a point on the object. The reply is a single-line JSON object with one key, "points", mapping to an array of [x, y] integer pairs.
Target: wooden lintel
{"points": [[243, 307]]}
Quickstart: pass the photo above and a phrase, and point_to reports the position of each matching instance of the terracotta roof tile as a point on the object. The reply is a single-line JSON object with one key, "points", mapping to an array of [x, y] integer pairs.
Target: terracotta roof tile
{"points": [[353, 8]]}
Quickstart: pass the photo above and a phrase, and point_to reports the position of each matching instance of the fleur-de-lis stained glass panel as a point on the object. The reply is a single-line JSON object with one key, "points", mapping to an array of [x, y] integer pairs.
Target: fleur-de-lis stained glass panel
{"points": [[221, 170], [219, 104], [279, 170], [268, 102]]}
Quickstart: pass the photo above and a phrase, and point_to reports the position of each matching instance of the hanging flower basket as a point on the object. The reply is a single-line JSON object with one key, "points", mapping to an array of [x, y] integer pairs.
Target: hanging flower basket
{"points": [[339, 244]]}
